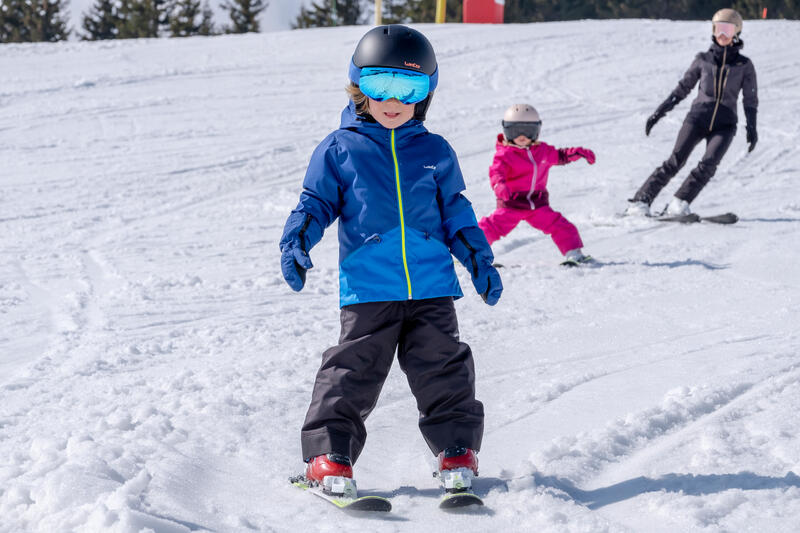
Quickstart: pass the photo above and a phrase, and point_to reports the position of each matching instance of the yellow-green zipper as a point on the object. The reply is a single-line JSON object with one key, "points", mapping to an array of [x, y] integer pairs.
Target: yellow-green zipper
{"points": [[402, 220]]}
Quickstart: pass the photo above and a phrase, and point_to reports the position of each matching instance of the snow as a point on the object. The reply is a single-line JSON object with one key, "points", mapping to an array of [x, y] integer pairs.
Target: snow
{"points": [[155, 368]]}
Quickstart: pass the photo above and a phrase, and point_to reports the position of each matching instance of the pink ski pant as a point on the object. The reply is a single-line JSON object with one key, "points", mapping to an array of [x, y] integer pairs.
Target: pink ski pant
{"points": [[503, 220]]}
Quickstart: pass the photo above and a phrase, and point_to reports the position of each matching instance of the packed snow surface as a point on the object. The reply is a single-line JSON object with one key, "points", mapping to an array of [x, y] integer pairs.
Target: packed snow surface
{"points": [[155, 368]]}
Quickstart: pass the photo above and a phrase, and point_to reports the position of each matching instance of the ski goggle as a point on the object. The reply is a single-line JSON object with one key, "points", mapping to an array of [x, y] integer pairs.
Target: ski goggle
{"points": [[384, 83], [531, 130], [724, 28]]}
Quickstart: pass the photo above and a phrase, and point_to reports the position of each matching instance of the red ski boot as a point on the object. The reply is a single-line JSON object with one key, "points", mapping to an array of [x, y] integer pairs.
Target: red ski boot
{"points": [[333, 472], [457, 467]]}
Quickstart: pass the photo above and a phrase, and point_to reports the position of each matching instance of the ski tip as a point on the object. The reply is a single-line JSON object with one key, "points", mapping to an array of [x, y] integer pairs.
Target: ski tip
{"points": [[363, 503], [370, 503], [725, 218], [460, 500]]}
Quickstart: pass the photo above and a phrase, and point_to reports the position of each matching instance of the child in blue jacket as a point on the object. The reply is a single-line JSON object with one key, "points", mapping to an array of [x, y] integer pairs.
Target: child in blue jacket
{"points": [[396, 190]]}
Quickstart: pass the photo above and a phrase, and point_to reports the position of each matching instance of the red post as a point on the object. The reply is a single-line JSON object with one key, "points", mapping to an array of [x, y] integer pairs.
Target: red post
{"points": [[764, 13], [484, 11]]}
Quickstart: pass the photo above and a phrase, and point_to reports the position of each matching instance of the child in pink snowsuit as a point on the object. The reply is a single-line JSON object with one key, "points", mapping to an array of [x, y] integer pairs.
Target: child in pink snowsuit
{"points": [[519, 179]]}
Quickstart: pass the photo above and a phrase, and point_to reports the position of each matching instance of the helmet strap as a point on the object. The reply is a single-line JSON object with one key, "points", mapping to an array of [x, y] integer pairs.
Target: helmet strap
{"points": [[421, 108]]}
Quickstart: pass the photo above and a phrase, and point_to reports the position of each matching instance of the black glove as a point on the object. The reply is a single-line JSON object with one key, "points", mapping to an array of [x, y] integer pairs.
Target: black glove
{"points": [[651, 121], [665, 107], [752, 134], [752, 137]]}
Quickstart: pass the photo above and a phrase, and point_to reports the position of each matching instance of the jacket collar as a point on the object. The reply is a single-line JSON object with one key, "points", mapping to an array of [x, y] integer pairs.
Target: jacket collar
{"points": [[732, 50], [372, 129], [511, 146]]}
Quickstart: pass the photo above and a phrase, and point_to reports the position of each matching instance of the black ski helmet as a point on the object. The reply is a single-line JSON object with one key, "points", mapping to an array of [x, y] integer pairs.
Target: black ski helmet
{"points": [[397, 46]]}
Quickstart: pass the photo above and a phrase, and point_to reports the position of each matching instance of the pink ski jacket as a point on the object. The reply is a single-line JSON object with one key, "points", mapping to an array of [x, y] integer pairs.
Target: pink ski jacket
{"points": [[519, 175]]}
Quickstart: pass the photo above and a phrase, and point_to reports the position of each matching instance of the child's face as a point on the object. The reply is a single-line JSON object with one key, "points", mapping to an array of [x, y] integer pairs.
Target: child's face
{"points": [[724, 40], [522, 140], [391, 113]]}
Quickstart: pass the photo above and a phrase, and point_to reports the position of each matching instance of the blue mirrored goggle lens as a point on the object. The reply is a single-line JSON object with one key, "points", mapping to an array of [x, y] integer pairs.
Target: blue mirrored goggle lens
{"points": [[380, 83]]}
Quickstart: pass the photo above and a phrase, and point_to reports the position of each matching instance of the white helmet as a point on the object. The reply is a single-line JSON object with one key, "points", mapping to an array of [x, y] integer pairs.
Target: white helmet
{"points": [[728, 15], [521, 113], [521, 119]]}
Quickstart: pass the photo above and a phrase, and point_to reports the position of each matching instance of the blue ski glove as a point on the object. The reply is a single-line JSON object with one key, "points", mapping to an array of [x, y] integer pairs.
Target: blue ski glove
{"points": [[471, 248], [299, 235], [294, 263]]}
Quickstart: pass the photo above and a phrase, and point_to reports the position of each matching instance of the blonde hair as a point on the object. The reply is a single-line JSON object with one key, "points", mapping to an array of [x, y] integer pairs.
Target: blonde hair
{"points": [[509, 142], [358, 98]]}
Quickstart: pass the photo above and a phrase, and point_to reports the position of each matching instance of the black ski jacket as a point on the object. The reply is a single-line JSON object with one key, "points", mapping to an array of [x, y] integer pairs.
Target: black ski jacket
{"points": [[722, 72]]}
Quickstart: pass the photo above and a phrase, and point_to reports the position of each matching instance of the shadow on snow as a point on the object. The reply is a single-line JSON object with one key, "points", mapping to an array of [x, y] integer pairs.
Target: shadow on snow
{"points": [[687, 262], [784, 219], [693, 485]]}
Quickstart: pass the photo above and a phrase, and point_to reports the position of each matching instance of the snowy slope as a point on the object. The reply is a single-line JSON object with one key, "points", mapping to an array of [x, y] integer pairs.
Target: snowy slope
{"points": [[155, 368]]}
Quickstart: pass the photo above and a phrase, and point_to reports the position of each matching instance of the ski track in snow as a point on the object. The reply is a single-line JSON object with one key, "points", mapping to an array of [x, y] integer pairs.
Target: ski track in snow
{"points": [[155, 369]]}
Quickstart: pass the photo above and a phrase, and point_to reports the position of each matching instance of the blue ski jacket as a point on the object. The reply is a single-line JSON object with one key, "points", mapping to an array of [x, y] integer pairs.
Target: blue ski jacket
{"points": [[397, 195]]}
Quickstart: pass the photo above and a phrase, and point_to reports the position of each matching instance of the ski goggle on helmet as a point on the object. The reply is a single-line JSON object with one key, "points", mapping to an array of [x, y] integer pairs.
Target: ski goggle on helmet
{"points": [[521, 119], [394, 61], [383, 83], [724, 28]]}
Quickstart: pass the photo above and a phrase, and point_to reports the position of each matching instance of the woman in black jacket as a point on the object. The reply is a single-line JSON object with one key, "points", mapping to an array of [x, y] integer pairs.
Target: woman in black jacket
{"points": [[722, 72]]}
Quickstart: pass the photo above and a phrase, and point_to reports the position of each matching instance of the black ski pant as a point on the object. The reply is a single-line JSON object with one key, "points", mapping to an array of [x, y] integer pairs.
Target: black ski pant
{"points": [[439, 369], [717, 143]]}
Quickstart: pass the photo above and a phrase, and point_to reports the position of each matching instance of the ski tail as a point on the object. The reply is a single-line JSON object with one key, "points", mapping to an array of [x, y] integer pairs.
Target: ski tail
{"points": [[691, 218]]}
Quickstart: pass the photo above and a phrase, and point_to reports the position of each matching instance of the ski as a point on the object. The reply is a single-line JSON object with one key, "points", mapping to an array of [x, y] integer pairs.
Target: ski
{"points": [[459, 499], [691, 218], [355, 503], [457, 484], [586, 260], [725, 218]]}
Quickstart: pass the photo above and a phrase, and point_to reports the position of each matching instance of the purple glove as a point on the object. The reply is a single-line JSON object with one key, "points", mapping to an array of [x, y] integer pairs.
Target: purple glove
{"points": [[568, 155]]}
